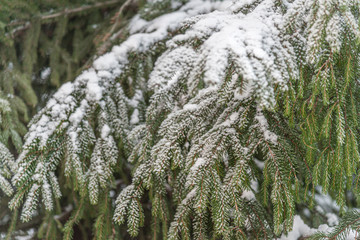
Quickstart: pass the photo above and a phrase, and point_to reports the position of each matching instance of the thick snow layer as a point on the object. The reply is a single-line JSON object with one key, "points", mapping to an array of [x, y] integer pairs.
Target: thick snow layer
{"points": [[251, 42], [172, 63], [106, 62]]}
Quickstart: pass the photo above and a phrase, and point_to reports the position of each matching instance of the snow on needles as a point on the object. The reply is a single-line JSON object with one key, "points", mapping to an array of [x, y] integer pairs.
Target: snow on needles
{"points": [[320, 18], [63, 107], [211, 36], [70, 106], [251, 42]]}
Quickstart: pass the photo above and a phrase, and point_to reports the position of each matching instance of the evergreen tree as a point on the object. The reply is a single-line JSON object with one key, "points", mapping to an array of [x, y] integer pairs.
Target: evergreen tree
{"points": [[232, 117], [42, 45]]}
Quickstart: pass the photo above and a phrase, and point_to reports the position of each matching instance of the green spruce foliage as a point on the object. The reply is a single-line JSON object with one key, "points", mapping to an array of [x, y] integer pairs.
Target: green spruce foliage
{"points": [[209, 120]]}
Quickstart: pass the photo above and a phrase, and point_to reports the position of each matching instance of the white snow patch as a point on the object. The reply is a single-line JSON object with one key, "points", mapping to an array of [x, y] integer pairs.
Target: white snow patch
{"points": [[332, 219], [299, 229], [190, 107], [76, 117], [198, 163], [135, 117], [189, 196], [45, 73], [136, 99], [231, 119], [105, 131], [249, 195], [65, 90], [106, 62], [93, 90]]}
